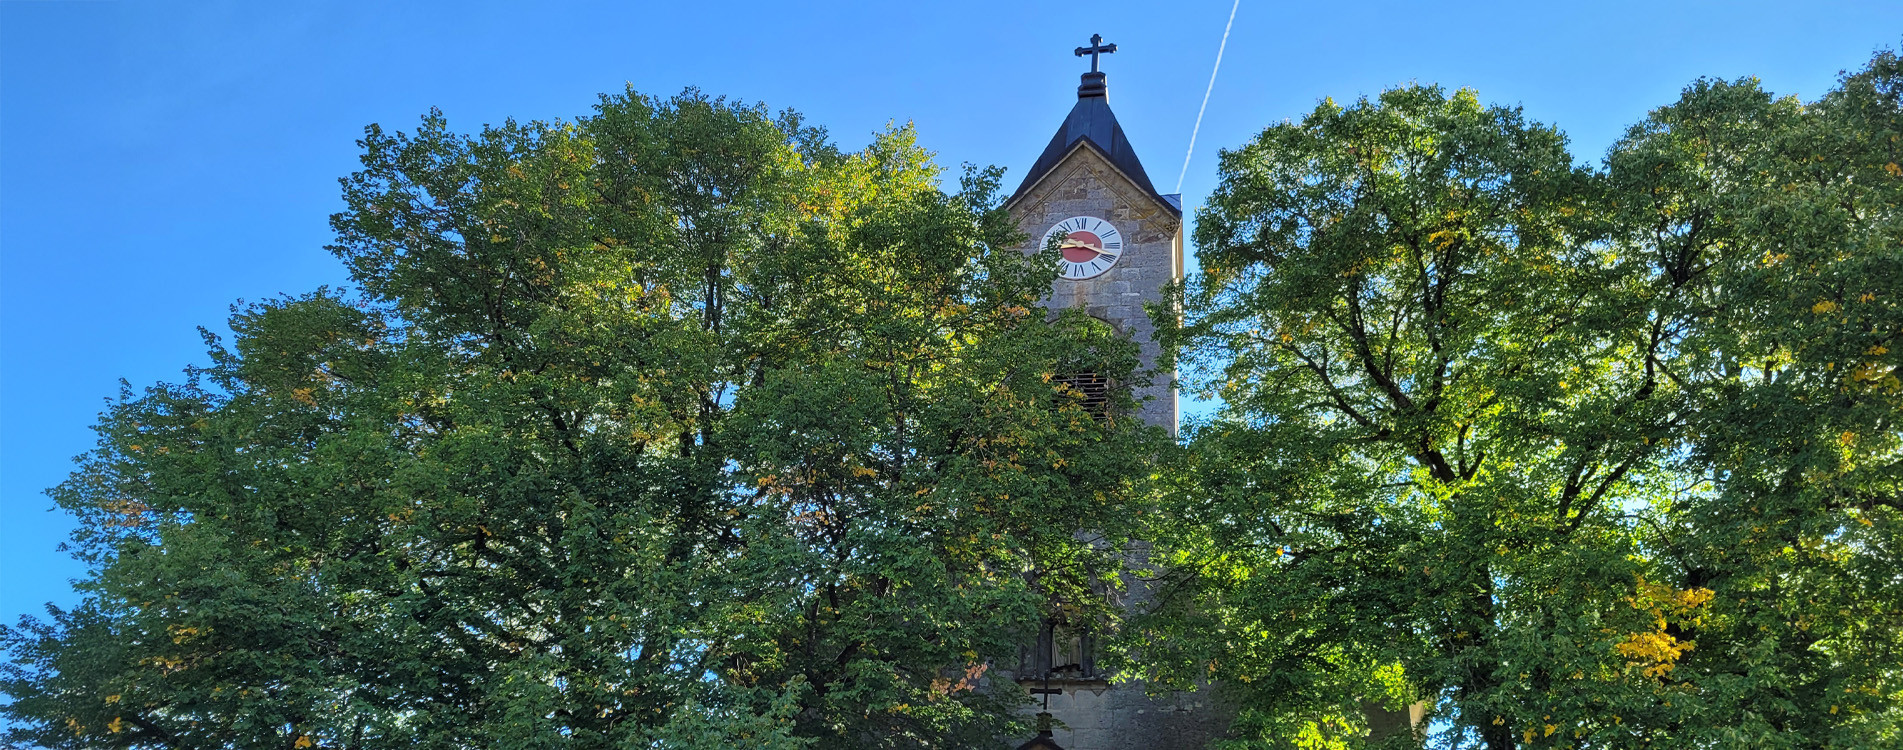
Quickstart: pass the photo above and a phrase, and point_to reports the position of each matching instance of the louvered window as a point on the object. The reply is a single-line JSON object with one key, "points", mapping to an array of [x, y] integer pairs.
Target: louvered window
{"points": [[1091, 388]]}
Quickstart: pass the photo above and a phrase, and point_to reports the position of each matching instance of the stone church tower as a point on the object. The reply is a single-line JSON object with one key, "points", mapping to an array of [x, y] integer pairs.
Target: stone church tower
{"points": [[1123, 242], [1125, 239]]}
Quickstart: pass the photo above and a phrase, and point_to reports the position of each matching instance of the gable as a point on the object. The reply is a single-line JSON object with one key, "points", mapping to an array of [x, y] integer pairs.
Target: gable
{"points": [[1085, 164]]}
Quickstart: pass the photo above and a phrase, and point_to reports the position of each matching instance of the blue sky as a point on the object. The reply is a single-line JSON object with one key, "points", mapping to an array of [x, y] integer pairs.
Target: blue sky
{"points": [[159, 161]]}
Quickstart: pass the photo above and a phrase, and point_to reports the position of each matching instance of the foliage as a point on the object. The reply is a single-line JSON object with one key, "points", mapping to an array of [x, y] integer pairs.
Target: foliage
{"points": [[676, 426], [673, 426], [1782, 220], [1595, 458]]}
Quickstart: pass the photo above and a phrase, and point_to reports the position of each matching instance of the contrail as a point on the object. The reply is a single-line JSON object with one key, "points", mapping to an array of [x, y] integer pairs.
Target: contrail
{"points": [[1212, 87]]}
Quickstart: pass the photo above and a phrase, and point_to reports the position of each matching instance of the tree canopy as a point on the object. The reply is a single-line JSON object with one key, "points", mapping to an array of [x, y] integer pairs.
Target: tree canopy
{"points": [[672, 426], [1576, 457], [678, 426]]}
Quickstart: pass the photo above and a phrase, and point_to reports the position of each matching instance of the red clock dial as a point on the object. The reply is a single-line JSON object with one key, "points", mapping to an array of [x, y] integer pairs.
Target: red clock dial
{"points": [[1082, 247], [1090, 246]]}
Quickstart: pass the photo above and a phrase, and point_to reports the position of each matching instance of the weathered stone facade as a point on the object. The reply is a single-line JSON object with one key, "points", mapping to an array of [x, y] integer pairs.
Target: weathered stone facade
{"points": [[1089, 170], [1085, 184]]}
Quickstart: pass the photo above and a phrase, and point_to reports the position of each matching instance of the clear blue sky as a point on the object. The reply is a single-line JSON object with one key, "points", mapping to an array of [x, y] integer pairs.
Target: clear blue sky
{"points": [[159, 161]]}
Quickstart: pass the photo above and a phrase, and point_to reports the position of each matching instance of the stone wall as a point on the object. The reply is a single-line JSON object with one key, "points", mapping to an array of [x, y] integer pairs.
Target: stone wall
{"points": [[1084, 184], [1097, 715]]}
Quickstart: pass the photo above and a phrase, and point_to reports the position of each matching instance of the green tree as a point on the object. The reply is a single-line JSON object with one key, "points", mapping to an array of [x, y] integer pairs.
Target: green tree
{"points": [[1600, 458], [673, 426], [1780, 222]]}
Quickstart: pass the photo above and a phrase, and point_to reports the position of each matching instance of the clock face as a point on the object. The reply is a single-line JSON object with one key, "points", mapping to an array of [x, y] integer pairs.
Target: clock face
{"points": [[1090, 246]]}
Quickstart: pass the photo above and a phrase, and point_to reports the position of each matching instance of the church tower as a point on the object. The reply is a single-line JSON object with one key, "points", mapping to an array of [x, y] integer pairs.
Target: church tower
{"points": [[1124, 240], [1122, 243]]}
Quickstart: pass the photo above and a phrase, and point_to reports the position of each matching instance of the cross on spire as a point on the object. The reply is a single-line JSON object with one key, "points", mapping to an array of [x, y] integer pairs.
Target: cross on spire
{"points": [[1096, 48]]}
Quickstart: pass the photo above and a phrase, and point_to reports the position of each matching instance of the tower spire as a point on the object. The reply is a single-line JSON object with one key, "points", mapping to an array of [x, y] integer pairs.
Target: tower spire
{"points": [[1091, 122]]}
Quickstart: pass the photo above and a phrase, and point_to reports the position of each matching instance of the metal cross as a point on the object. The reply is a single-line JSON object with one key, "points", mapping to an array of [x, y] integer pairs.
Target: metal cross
{"points": [[1097, 47]]}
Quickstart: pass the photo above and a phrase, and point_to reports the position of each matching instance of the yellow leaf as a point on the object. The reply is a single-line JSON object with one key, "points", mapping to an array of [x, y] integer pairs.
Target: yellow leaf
{"points": [[304, 740], [1550, 729], [1823, 307]]}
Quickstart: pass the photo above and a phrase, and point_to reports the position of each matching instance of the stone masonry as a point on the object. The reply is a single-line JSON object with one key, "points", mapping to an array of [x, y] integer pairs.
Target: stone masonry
{"points": [[1085, 184], [1097, 714]]}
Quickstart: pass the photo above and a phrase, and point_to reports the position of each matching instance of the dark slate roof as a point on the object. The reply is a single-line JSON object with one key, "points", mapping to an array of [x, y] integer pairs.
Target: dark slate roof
{"points": [[1092, 123]]}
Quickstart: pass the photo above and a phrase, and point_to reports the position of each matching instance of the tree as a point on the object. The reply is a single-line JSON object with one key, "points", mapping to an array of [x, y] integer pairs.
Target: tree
{"points": [[673, 426], [1578, 457], [1781, 220]]}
